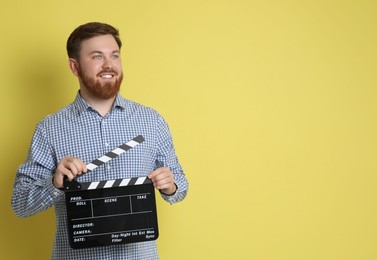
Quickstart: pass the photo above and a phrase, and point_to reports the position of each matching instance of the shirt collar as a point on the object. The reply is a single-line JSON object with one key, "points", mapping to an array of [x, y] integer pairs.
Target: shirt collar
{"points": [[81, 105]]}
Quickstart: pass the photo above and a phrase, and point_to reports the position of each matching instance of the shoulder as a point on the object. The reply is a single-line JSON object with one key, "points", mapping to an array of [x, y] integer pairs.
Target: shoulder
{"points": [[144, 115], [65, 114], [134, 108]]}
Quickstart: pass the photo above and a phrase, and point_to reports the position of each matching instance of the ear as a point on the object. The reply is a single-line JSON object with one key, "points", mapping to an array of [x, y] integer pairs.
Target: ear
{"points": [[73, 65]]}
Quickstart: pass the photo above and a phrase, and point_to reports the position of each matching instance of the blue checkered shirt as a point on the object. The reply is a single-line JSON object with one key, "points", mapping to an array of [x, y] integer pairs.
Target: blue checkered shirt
{"points": [[79, 131]]}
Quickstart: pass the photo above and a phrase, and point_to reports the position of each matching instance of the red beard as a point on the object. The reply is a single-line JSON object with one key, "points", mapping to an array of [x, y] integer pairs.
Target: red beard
{"points": [[98, 89]]}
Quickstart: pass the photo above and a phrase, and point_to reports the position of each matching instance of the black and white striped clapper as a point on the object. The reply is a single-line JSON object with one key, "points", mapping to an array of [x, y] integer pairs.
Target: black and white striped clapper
{"points": [[111, 212], [75, 185]]}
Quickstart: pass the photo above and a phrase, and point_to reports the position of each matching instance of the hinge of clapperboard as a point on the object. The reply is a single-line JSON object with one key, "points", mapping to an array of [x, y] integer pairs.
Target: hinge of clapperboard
{"points": [[75, 185]]}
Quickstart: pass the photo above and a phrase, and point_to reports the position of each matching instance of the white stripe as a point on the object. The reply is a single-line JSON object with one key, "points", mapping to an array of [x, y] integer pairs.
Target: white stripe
{"points": [[91, 166], [132, 143], [140, 180], [124, 182], [104, 158], [118, 151], [109, 184], [93, 185]]}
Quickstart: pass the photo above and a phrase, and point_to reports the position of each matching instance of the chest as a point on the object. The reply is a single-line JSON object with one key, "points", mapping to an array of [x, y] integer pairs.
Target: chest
{"points": [[90, 138]]}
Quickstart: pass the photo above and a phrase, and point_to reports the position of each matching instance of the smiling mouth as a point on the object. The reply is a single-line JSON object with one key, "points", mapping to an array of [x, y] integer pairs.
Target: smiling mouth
{"points": [[107, 76]]}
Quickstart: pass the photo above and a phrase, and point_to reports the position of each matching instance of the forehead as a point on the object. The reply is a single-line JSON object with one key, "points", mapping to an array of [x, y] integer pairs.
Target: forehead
{"points": [[102, 43]]}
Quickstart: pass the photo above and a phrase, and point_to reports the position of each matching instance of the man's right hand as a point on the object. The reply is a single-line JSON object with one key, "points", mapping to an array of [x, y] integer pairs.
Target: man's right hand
{"points": [[70, 167]]}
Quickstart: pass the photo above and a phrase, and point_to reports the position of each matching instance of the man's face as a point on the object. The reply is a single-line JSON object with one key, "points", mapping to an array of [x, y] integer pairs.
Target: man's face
{"points": [[99, 67]]}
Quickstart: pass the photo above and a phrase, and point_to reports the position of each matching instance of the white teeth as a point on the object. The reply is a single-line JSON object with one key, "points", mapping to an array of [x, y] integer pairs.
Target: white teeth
{"points": [[106, 76]]}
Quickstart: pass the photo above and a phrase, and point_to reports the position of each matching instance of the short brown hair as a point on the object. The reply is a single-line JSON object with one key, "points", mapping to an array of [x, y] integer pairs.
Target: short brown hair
{"points": [[87, 31]]}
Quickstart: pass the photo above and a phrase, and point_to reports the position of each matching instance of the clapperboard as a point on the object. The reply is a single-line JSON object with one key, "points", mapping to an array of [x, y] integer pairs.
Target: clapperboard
{"points": [[111, 212]]}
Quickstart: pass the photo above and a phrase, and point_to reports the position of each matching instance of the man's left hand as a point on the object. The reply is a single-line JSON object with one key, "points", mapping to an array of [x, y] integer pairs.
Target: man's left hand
{"points": [[163, 180]]}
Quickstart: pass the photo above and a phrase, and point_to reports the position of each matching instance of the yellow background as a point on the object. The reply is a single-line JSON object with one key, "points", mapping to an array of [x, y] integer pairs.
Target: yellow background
{"points": [[272, 106]]}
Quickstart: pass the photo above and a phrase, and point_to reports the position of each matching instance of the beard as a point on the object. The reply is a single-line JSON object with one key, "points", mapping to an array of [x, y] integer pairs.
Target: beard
{"points": [[101, 90]]}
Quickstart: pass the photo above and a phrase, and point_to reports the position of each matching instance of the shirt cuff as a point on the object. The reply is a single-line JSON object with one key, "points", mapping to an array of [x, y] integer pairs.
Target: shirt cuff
{"points": [[176, 188], [51, 188], [177, 196]]}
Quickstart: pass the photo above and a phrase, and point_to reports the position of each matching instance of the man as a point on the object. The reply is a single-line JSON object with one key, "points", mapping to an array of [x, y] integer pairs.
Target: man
{"points": [[98, 121]]}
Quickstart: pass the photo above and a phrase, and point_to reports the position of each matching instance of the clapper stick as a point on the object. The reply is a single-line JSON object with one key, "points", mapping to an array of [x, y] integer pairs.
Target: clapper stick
{"points": [[75, 185]]}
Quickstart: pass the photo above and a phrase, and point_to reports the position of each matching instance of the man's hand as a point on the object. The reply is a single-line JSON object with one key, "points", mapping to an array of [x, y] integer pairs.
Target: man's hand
{"points": [[70, 167], [163, 180]]}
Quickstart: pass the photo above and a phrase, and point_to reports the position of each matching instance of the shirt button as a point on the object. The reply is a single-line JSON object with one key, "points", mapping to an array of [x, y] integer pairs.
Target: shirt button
{"points": [[106, 144]]}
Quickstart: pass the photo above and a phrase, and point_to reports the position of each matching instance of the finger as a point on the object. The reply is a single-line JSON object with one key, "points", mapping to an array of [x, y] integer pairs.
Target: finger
{"points": [[158, 171], [76, 166], [63, 171], [166, 185], [160, 178], [163, 180], [163, 184], [60, 172], [153, 174], [72, 167]]}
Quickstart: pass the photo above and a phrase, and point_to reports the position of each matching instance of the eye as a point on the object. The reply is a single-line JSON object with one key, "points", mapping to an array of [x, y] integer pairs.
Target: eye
{"points": [[97, 57], [115, 56]]}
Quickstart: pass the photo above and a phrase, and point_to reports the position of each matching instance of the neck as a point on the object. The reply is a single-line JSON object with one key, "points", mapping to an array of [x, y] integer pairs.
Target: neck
{"points": [[102, 106]]}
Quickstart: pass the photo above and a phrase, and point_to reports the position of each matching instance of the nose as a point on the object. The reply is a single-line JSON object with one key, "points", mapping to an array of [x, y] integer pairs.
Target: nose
{"points": [[107, 64]]}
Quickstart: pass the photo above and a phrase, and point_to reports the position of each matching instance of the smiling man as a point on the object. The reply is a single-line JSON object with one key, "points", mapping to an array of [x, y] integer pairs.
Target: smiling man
{"points": [[98, 121]]}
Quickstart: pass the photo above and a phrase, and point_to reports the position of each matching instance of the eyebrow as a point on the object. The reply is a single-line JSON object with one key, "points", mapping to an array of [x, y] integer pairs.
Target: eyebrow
{"points": [[100, 52]]}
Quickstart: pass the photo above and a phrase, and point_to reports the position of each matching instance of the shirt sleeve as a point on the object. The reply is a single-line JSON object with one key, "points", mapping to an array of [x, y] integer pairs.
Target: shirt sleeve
{"points": [[166, 156], [33, 190]]}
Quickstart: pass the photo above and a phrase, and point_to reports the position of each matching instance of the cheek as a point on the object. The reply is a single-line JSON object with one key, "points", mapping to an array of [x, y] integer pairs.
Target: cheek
{"points": [[117, 63], [91, 69], [118, 67]]}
